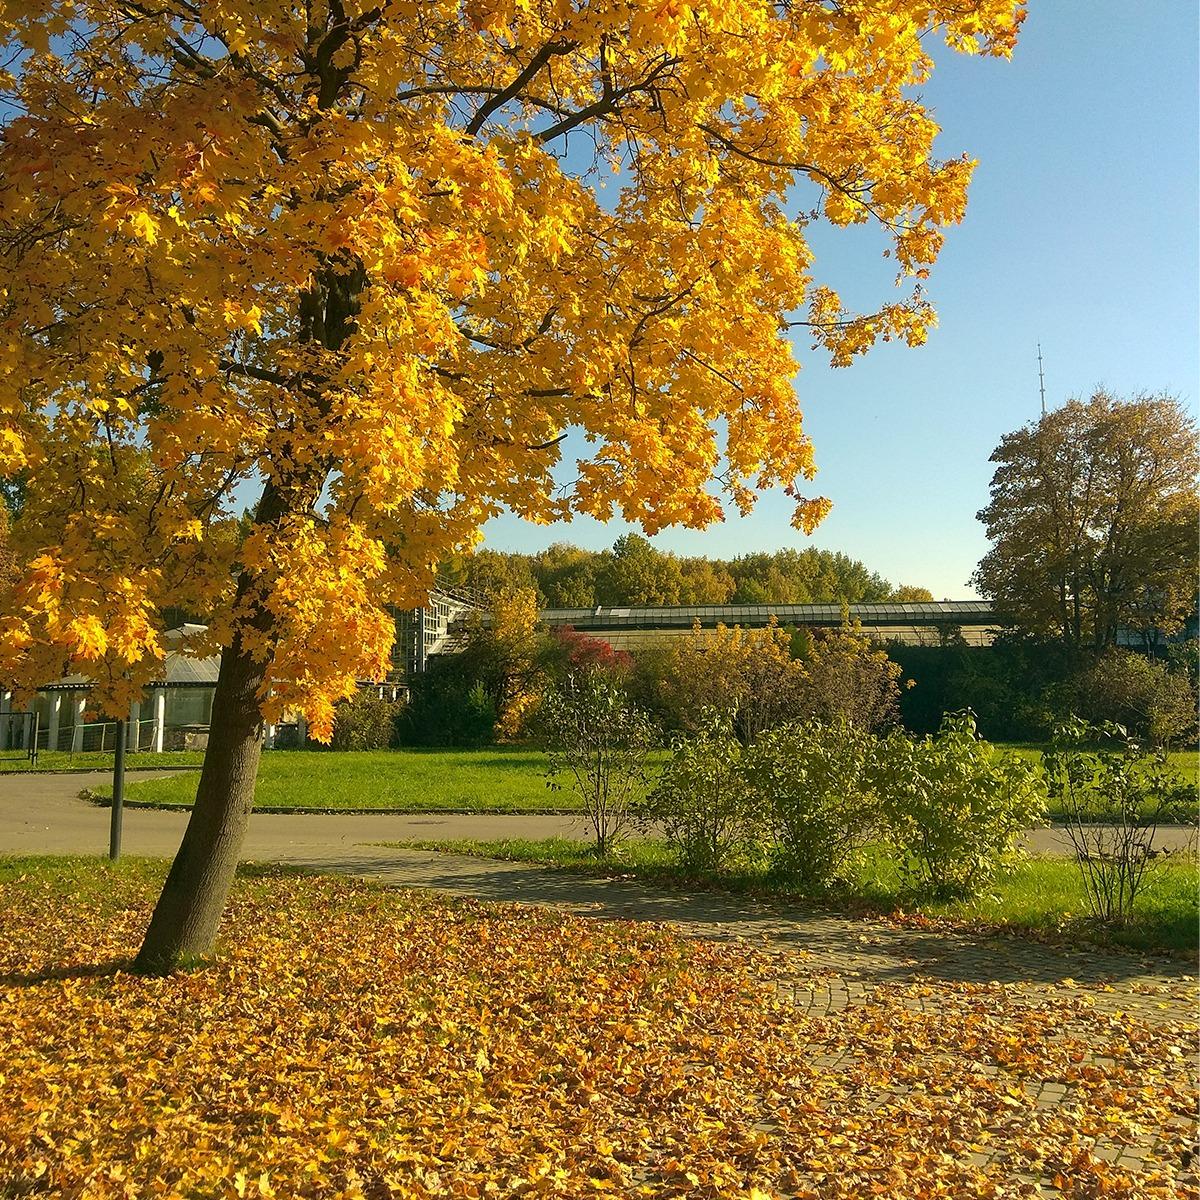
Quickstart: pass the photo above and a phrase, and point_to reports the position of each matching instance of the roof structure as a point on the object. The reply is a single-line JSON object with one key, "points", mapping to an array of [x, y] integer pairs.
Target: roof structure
{"points": [[684, 616], [178, 669]]}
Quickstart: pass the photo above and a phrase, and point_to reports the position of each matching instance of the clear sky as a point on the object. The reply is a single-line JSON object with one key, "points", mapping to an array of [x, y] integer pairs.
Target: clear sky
{"points": [[1081, 233]]}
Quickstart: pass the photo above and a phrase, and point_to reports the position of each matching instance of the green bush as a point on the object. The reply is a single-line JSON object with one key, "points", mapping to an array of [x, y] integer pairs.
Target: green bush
{"points": [[1140, 694], [364, 722], [953, 805], [1113, 800], [447, 708], [598, 737], [812, 780], [1014, 687], [708, 809]]}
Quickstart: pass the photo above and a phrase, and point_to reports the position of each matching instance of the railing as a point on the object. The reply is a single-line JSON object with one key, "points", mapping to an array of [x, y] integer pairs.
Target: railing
{"points": [[19, 736], [27, 737], [98, 737]]}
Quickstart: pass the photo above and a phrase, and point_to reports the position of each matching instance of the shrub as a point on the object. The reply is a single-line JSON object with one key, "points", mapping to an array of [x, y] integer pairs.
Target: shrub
{"points": [[847, 679], [773, 676], [813, 787], [566, 650], [1013, 686], [602, 740], [748, 673], [447, 708], [813, 782], [953, 805], [1138, 693], [1113, 799], [708, 810], [364, 722]]}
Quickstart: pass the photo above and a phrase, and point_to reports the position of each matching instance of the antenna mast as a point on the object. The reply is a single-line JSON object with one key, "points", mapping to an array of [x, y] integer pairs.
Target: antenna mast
{"points": [[1041, 379]]}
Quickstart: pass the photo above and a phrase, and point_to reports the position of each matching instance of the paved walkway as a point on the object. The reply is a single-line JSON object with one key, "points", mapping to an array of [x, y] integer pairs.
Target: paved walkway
{"points": [[41, 814], [840, 960]]}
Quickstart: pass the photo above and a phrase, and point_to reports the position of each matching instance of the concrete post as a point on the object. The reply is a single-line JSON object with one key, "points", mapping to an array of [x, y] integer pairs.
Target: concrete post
{"points": [[269, 738], [133, 738], [80, 703], [52, 723], [5, 718], [160, 719]]}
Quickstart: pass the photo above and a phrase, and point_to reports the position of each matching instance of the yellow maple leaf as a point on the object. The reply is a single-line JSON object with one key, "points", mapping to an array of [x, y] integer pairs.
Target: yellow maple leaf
{"points": [[145, 226]]}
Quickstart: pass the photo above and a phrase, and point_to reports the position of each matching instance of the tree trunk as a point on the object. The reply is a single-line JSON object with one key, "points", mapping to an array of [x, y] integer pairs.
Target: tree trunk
{"points": [[189, 910]]}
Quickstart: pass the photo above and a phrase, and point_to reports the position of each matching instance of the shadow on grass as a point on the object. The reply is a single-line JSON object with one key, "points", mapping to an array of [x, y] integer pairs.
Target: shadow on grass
{"points": [[103, 970], [882, 929]]}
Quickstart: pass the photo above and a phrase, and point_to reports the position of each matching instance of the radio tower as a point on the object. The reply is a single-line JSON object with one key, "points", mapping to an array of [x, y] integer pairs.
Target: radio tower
{"points": [[1041, 379]]}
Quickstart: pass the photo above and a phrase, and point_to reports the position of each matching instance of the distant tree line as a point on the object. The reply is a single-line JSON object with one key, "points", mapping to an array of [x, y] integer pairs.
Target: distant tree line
{"points": [[634, 572]]}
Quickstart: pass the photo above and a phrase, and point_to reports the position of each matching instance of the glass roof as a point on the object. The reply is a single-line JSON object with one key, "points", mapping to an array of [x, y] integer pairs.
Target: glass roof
{"points": [[673, 616]]}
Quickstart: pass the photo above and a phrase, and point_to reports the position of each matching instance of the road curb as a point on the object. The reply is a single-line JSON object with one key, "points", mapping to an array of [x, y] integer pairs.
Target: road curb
{"points": [[296, 811], [93, 770]]}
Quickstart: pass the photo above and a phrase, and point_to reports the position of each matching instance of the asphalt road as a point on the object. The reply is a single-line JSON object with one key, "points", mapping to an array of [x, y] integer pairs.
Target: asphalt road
{"points": [[42, 814]]}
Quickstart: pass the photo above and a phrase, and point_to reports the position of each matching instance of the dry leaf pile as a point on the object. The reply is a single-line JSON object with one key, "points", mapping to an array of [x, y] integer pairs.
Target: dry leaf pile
{"points": [[355, 1042]]}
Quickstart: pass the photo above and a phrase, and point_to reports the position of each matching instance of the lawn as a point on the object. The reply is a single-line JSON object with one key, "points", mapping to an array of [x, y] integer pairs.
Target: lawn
{"points": [[354, 1041], [1185, 762], [94, 760], [1042, 896], [503, 780], [1184, 807]]}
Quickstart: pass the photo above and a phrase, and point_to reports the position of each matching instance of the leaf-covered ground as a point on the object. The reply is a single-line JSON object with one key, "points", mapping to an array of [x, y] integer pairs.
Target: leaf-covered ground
{"points": [[351, 1041]]}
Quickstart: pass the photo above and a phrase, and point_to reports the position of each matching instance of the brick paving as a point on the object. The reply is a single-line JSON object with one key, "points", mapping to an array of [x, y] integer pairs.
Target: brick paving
{"points": [[829, 962]]}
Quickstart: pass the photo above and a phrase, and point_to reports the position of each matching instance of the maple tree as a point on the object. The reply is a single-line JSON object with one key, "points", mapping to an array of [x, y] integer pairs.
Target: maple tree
{"points": [[370, 263], [1093, 515]]}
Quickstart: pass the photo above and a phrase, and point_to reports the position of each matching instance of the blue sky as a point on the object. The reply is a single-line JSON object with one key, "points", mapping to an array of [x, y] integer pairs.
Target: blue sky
{"points": [[1082, 233]]}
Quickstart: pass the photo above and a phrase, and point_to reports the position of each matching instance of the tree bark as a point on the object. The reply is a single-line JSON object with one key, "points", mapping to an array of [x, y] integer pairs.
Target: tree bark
{"points": [[188, 912], [185, 920]]}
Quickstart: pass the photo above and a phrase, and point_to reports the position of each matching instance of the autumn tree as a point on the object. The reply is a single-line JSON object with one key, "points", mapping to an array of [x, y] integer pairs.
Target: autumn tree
{"points": [[504, 653], [635, 573], [908, 593], [370, 263], [749, 675], [1093, 515], [704, 582], [566, 576]]}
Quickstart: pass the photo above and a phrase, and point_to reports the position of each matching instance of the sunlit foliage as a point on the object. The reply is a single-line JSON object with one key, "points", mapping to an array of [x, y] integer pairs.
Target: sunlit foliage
{"points": [[365, 266]]}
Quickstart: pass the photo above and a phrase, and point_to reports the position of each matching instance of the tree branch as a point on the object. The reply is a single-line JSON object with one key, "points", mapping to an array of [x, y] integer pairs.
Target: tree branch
{"points": [[540, 59]]}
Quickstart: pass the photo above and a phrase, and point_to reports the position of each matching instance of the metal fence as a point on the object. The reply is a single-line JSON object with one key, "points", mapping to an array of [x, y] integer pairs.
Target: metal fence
{"points": [[98, 737], [24, 736], [19, 735]]}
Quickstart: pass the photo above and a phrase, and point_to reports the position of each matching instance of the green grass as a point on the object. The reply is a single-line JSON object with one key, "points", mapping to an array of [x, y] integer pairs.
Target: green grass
{"points": [[1186, 762], [94, 760], [1042, 896], [498, 780], [85, 878], [1183, 808]]}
